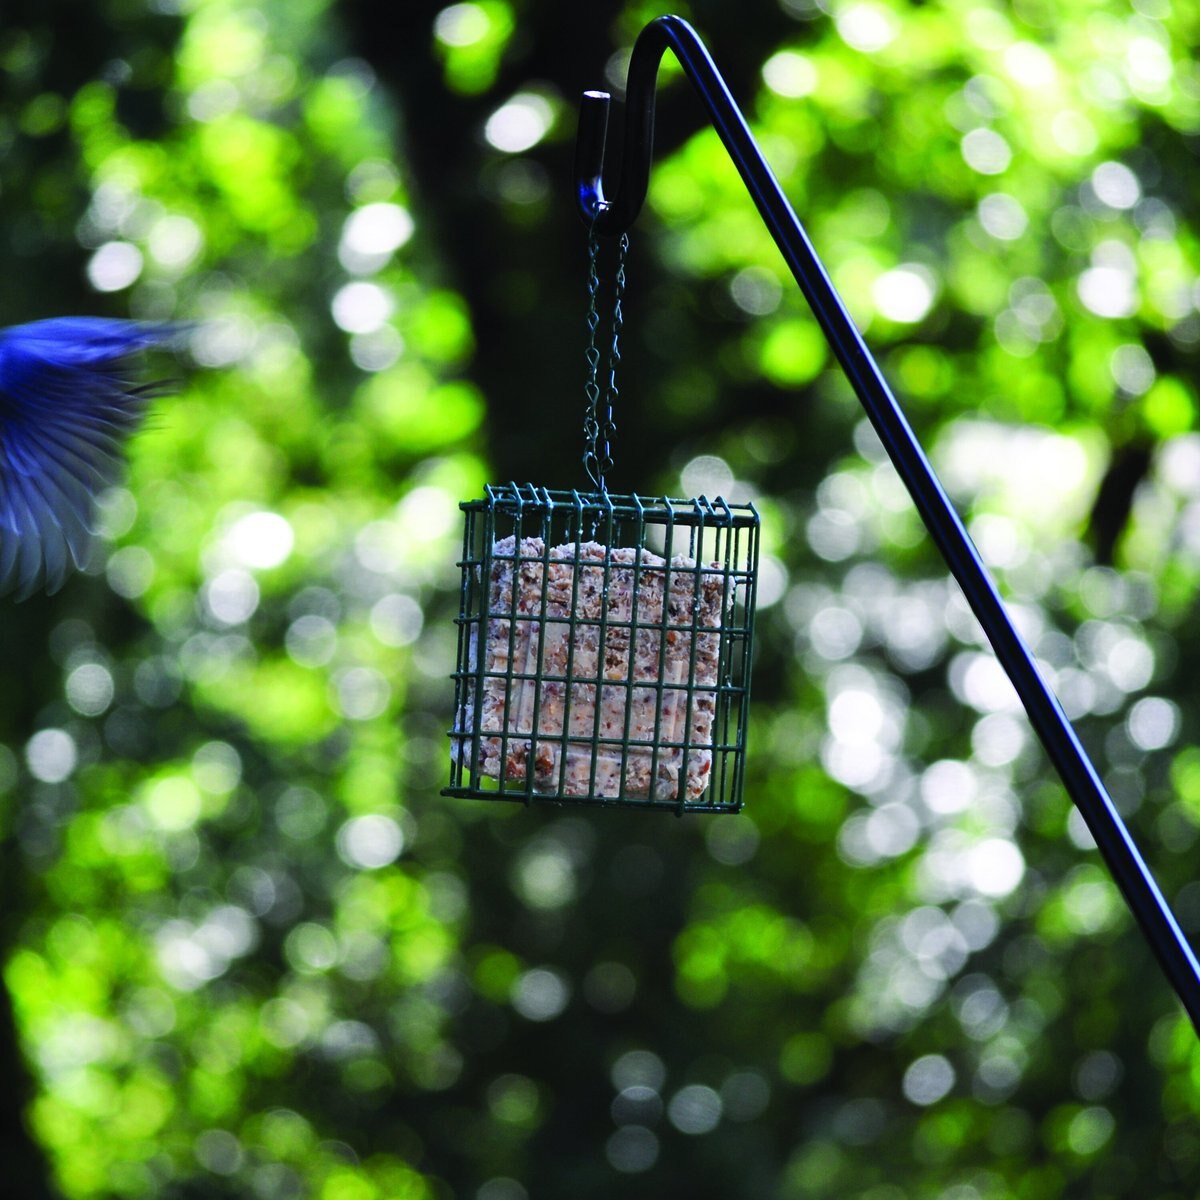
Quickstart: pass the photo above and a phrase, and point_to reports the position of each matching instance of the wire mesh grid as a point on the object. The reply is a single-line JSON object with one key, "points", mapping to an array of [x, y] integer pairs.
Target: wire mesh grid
{"points": [[622, 628]]}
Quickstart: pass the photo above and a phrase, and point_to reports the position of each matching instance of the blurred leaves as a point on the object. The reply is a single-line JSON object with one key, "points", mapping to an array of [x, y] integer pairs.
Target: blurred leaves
{"points": [[250, 950]]}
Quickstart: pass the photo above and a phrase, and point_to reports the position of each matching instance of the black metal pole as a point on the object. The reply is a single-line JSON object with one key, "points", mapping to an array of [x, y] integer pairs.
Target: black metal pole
{"points": [[613, 215]]}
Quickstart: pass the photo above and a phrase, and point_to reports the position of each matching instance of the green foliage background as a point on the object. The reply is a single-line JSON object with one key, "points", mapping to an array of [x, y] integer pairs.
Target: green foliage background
{"points": [[247, 948]]}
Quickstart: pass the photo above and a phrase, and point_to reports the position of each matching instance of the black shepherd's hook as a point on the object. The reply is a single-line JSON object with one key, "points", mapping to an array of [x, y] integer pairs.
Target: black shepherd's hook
{"points": [[614, 214]]}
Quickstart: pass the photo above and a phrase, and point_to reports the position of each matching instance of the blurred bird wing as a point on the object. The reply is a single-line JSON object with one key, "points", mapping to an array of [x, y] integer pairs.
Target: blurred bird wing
{"points": [[66, 403]]}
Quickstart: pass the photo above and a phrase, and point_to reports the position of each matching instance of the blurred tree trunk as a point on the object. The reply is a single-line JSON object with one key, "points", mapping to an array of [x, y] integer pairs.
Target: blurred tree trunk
{"points": [[25, 1165], [27, 633]]}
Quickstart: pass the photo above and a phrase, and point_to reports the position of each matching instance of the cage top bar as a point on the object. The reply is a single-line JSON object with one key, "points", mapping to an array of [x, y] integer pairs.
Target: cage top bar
{"points": [[519, 498], [613, 216]]}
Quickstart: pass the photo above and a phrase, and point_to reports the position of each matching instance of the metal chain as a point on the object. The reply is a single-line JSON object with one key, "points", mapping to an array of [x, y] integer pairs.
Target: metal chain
{"points": [[599, 428], [591, 389], [608, 428]]}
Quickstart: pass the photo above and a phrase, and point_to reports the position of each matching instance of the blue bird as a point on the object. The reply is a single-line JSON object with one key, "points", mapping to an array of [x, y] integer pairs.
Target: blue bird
{"points": [[68, 399]]}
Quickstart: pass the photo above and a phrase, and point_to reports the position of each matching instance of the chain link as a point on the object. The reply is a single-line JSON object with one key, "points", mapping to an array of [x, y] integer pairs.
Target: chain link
{"points": [[599, 428]]}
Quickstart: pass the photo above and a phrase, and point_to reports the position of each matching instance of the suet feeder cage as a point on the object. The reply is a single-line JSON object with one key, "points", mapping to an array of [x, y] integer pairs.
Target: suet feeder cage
{"points": [[604, 647]]}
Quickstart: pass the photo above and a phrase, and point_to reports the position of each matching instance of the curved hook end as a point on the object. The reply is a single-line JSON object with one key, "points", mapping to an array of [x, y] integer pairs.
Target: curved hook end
{"points": [[589, 154]]}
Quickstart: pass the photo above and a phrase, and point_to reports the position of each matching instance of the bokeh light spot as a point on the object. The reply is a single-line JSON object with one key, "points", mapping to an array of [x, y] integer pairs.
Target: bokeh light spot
{"points": [[790, 74], [461, 25], [51, 755], [372, 234], [866, 26], [904, 294], [1153, 723], [362, 307], [90, 689], [996, 867], [986, 151], [114, 266], [541, 994], [520, 123], [370, 842], [632, 1149], [695, 1109], [928, 1079]]}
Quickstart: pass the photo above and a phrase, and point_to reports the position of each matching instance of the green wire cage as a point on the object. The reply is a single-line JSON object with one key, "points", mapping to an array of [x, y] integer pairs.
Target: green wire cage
{"points": [[604, 647]]}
